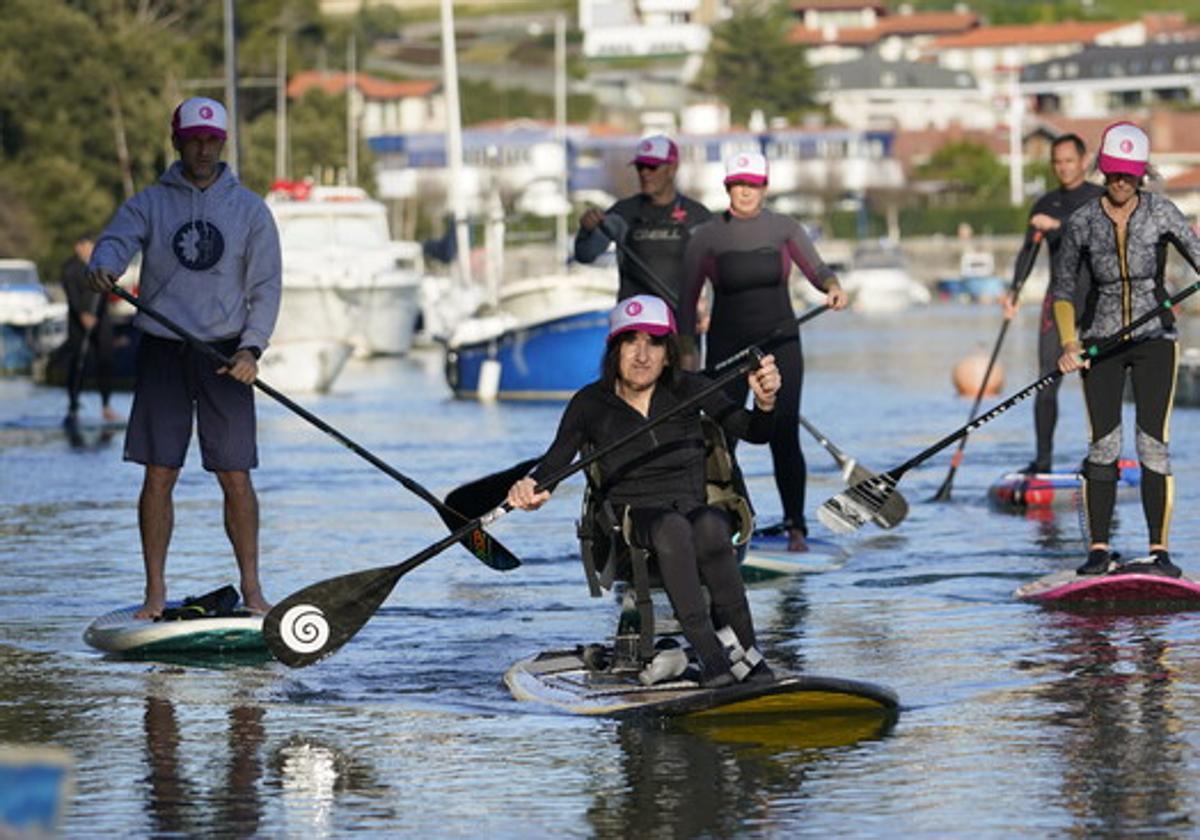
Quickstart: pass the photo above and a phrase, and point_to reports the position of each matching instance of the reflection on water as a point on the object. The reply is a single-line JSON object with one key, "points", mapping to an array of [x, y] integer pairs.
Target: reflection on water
{"points": [[1016, 722], [1113, 709]]}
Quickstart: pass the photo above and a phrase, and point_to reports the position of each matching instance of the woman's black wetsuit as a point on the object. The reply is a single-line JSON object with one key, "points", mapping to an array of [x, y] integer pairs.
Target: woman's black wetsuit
{"points": [[659, 477], [748, 262], [1127, 269]]}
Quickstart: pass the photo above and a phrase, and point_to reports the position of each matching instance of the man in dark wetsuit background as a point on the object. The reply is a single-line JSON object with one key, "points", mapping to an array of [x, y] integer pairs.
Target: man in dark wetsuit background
{"points": [[1068, 156], [654, 225], [88, 324]]}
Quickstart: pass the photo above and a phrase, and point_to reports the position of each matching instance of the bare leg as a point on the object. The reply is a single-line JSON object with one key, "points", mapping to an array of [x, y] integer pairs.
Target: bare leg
{"points": [[241, 524], [156, 520]]}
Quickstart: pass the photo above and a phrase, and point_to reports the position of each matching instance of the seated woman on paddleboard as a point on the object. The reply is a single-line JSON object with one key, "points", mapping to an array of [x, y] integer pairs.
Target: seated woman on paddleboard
{"points": [[659, 476], [1122, 237], [747, 254]]}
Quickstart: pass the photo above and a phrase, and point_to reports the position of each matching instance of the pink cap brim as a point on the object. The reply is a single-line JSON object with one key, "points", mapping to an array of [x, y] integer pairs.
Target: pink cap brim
{"points": [[649, 329], [1116, 166], [755, 180], [652, 161]]}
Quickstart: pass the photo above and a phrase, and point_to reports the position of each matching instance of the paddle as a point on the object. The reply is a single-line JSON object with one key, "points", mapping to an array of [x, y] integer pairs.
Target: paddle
{"points": [[894, 509], [1024, 266], [479, 543], [849, 511], [314, 622]]}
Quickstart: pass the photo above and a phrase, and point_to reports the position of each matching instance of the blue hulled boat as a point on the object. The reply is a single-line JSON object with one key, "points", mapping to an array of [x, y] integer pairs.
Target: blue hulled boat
{"points": [[542, 341]]}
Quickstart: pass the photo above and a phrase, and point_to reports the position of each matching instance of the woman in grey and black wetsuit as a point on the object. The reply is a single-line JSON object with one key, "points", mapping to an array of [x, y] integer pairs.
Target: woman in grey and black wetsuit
{"points": [[1122, 238], [747, 254]]}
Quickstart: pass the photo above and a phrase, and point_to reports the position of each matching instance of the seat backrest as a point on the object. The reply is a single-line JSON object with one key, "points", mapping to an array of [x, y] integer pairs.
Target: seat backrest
{"points": [[603, 545]]}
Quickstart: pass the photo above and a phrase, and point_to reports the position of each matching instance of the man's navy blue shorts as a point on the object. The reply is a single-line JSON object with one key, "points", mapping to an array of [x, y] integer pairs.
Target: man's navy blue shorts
{"points": [[176, 383]]}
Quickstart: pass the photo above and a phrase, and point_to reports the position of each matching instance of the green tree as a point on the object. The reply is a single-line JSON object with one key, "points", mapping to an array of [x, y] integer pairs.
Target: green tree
{"points": [[972, 171], [751, 65]]}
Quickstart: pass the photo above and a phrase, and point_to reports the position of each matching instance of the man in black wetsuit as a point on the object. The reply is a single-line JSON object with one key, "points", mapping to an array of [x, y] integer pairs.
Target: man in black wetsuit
{"points": [[1068, 156], [654, 225], [88, 327]]}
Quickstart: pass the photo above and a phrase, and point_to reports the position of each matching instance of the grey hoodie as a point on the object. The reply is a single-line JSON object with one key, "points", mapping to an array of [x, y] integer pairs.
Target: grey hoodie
{"points": [[210, 258]]}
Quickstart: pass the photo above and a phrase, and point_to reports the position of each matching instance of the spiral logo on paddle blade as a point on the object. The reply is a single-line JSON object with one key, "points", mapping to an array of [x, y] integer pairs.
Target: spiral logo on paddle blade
{"points": [[304, 629]]}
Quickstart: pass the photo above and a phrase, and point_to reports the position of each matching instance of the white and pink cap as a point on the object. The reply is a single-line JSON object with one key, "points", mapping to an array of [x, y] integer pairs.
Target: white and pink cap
{"points": [[656, 150], [1124, 149], [746, 168], [199, 115], [642, 313]]}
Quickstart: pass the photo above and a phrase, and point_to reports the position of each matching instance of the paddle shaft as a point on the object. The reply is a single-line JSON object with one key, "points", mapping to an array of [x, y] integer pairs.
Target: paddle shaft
{"points": [[300, 410], [401, 569], [1092, 352], [1029, 256], [842, 459]]}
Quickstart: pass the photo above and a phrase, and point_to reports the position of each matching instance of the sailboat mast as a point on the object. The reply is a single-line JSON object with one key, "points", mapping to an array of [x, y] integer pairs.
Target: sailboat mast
{"points": [[454, 145]]}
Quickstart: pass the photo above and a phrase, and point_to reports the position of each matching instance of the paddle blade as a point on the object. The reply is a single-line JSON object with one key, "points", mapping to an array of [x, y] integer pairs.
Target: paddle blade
{"points": [[487, 493], [848, 511], [473, 500], [893, 511], [315, 621]]}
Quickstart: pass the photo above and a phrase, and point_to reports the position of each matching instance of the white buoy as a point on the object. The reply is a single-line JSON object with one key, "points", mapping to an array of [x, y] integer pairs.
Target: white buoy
{"points": [[489, 380]]}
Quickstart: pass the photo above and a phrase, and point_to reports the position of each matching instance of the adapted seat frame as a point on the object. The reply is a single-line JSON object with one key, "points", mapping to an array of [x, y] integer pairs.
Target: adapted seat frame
{"points": [[610, 557]]}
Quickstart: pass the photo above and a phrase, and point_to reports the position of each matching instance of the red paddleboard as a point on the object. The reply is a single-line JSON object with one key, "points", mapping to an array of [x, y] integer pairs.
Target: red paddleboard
{"points": [[1114, 591], [1020, 491]]}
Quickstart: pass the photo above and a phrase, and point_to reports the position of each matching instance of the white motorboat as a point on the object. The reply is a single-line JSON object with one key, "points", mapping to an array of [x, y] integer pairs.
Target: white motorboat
{"points": [[344, 278], [31, 324], [305, 365], [879, 281]]}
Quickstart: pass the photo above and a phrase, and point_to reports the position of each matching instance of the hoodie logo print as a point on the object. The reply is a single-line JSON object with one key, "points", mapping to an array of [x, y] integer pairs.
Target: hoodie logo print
{"points": [[198, 245]]}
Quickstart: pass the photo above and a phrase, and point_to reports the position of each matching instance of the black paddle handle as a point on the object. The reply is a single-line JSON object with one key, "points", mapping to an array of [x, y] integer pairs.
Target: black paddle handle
{"points": [[1092, 352], [216, 356]]}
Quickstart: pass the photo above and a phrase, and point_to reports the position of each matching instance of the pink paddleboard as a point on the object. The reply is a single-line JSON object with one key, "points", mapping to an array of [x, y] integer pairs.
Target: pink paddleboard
{"points": [[1130, 589]]}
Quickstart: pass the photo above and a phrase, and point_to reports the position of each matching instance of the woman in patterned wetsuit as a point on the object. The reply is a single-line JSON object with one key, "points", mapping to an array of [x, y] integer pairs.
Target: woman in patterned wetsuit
{"points": [[1122, 237], [747, 254]]}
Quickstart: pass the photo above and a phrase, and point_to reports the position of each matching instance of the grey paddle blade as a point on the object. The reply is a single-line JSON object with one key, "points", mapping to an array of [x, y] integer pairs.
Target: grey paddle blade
{"points": [[894, 509], [848, 511]]}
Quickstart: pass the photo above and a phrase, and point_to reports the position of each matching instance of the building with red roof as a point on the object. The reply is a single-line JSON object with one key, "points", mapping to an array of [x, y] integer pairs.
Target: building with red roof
{"points": [[385, 106]]}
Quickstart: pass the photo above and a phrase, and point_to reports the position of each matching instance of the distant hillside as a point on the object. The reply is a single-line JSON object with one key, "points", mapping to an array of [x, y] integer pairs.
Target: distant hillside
{"points": [[1045, 11]]}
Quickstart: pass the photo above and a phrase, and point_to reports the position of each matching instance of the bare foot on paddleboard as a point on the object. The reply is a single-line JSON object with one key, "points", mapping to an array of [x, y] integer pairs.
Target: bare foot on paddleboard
{"points": [[796, 540], [152, 607], [257, 605]]}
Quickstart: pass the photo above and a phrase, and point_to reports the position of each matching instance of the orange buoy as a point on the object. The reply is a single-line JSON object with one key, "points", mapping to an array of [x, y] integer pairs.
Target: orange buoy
{"points": [[968, 376]]}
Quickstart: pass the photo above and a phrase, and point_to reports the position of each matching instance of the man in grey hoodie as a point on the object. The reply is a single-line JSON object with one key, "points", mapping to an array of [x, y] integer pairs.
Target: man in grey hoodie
{"points": [[211, 264]]}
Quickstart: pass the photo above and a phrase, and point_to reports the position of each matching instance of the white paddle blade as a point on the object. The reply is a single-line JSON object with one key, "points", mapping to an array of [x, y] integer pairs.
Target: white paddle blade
{"points": [[843, 516]]}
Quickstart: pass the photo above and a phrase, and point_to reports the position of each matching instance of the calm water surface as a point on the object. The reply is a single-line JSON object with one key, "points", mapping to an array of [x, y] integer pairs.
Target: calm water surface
{"points": [[1016, 721]]}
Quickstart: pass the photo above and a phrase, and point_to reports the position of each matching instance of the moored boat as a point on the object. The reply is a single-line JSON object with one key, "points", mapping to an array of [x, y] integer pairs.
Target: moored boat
{"points": [[542, 340], [344, 278], [31, 324]]}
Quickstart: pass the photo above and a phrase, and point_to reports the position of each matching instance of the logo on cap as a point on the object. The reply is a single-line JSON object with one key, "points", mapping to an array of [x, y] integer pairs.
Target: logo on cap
{"points": [[1126, 145], [633, 309], [743, 160], [206, 112], [646, 146]]}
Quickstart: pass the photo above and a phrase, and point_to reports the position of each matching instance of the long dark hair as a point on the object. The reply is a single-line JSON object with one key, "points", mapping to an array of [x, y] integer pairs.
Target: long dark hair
{"points": [[610, 365]]}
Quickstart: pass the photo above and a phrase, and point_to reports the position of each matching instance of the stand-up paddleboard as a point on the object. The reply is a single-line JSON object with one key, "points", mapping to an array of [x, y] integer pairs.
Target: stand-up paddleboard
{"points": [[1131, 590], [767, 556], [1021, 491], [562, 680], [207, 624]]}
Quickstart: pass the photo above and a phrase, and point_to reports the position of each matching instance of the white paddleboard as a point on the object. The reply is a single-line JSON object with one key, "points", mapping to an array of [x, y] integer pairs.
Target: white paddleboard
{"points": [[119, 632], [767, 557]]}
